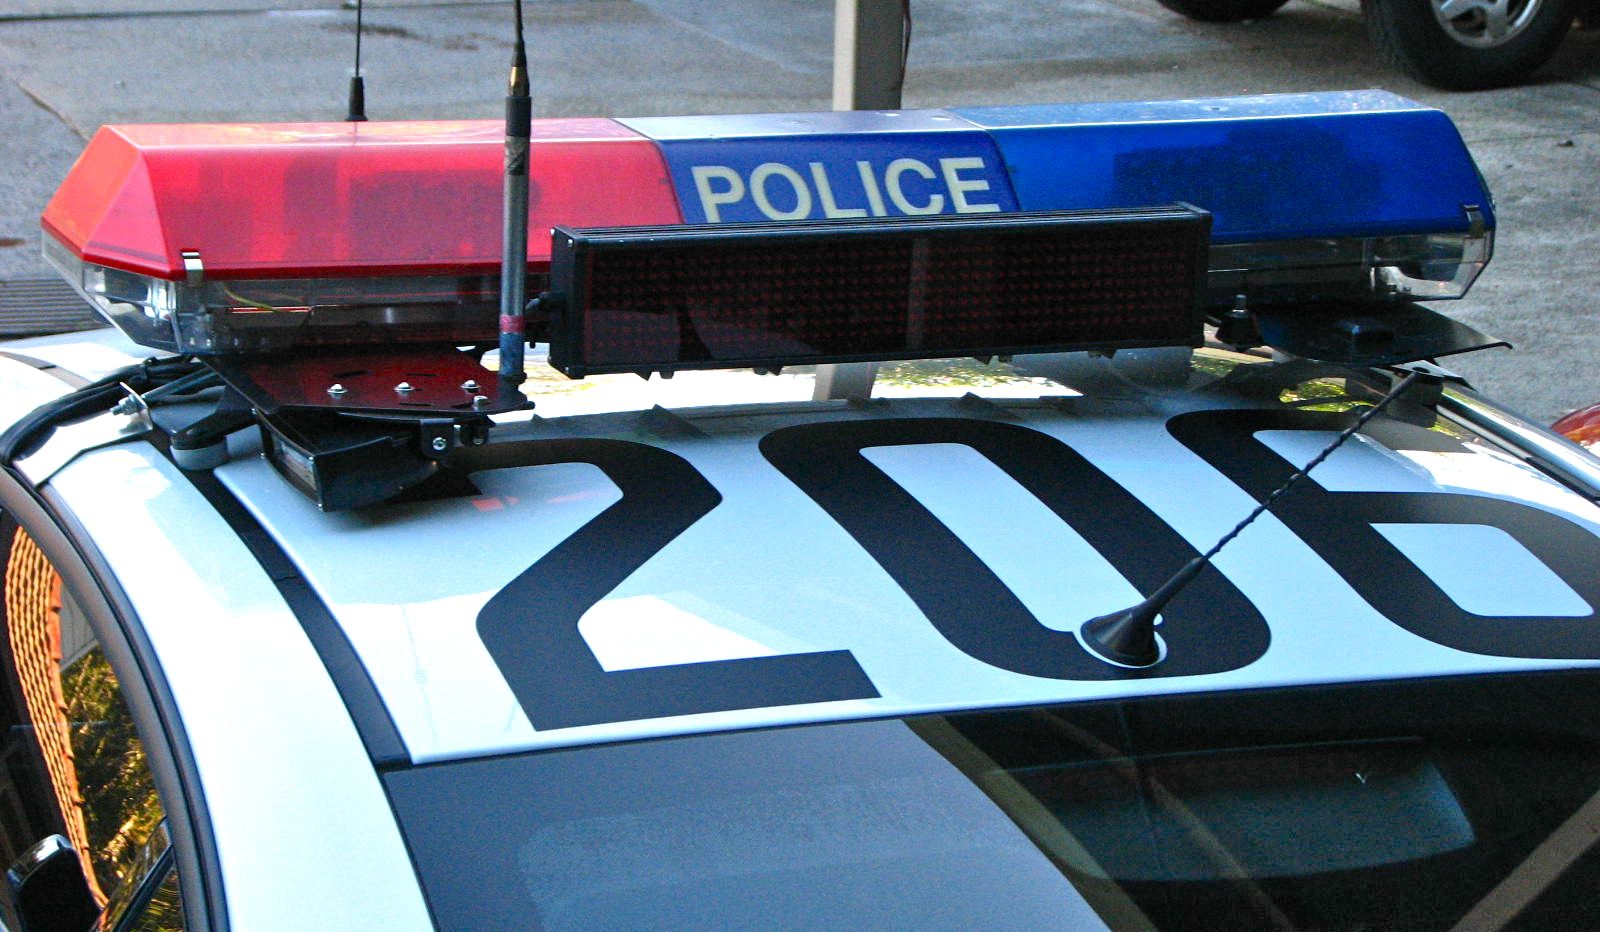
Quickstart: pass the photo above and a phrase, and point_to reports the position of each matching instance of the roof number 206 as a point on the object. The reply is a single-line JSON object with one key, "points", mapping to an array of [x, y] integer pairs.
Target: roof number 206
{"points": [[1212, 627]]}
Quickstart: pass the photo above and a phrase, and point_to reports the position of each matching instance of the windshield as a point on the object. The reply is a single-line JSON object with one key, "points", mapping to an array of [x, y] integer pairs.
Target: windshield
{"points": [[1461, 802]]}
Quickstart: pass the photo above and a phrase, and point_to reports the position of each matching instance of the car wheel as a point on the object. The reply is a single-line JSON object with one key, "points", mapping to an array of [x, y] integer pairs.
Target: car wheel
{"points": [[1223, 11], [1467, 44]]}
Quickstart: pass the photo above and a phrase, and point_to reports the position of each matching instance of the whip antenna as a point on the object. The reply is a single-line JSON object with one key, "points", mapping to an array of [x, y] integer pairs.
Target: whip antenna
{"points": [[514, 239], [1128, 637]]}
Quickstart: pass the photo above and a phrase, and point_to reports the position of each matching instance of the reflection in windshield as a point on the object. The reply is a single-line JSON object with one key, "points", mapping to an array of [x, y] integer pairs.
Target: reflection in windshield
{"points": [[1433, 804], [119, 803], [74, 758]]}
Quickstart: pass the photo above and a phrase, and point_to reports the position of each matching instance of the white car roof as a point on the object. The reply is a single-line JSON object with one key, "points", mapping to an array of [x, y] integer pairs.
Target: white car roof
{"points": [[715, 554], [661, 571]]}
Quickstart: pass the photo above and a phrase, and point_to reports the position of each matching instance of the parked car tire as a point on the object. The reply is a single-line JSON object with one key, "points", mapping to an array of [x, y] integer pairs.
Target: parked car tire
{"points": [[1467, 44], [1223, 11]]}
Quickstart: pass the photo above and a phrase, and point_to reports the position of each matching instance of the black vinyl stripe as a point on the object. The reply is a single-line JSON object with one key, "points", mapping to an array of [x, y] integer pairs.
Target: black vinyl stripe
{"points": [[70, 378], [1339, 527], [531, 626], [1211, 627], [373, 723]]}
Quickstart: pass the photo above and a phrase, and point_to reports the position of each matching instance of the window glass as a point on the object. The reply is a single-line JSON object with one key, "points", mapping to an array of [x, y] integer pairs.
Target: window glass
{"points": [[163, 912], [1449, 802], [140, 893], [153, 904], [71, 762]]}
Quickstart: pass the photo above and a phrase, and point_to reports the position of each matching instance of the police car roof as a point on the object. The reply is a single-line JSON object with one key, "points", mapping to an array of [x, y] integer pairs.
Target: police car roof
{"points": [[630, 570]]}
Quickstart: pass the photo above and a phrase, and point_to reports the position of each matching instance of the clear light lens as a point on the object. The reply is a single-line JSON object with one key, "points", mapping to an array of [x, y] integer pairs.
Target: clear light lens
{"points": [[142, 307], [1439, 265], [271, 315], [1419, 267]]}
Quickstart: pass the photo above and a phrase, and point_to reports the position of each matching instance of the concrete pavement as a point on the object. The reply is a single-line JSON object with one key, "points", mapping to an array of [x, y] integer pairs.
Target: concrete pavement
{"points": [[66, 66]]}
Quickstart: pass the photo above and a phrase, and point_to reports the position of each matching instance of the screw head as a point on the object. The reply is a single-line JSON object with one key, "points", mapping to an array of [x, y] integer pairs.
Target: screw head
{"points": [[404, 387], [440, 444], [336, 389], [479, 401], [470, 385]]}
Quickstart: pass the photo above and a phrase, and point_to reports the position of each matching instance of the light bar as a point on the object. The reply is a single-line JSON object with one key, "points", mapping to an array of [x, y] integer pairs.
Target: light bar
{"points": [[660, 299], [222, 239]]}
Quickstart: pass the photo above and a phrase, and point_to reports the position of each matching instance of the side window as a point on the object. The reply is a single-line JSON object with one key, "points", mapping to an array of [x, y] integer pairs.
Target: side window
{"points": [[162, 911], [149, 900], [71, 761]]}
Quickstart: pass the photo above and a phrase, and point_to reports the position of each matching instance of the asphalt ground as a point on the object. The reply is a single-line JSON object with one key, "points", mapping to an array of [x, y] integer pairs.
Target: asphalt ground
{"points": [[67, 66]]}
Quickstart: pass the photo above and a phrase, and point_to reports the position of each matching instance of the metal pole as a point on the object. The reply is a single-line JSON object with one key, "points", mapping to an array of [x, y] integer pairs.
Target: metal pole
{"points": [[868, 47], [869, 41]]}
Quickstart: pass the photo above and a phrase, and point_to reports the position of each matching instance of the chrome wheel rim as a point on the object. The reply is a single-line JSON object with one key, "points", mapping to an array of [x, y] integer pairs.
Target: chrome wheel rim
{"points": [[1484, 23]]}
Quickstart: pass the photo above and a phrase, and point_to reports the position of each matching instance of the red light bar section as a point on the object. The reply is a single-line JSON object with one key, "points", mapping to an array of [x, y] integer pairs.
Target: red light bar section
{"points": [[338, 199], [769, 295]]}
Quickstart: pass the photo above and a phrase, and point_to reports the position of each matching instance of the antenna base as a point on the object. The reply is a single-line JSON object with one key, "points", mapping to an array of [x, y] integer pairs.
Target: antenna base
{"points": [[1127, 637], [358, 101]]}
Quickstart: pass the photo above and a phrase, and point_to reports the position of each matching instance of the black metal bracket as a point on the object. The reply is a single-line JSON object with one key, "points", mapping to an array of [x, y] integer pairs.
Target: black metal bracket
{"points": [[204, 444]]}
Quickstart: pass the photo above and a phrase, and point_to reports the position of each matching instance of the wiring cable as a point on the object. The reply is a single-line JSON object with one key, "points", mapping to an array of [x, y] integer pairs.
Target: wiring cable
{"points": [[35, 427]]}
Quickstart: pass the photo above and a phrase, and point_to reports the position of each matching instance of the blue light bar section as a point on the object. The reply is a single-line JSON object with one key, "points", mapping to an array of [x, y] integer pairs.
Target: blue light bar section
{"points": [[1289, 166], [1268, 168], [813, 166]]}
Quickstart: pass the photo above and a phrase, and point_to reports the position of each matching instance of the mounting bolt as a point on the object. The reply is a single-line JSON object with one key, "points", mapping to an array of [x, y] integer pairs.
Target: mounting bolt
{"points": [[479, 401], [470, 385], [440, 444], [404, 387], [336, 389]]}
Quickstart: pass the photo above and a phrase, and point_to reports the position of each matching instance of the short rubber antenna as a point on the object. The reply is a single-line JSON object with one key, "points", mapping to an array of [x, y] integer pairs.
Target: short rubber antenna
{"points": [[358, 87]]}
